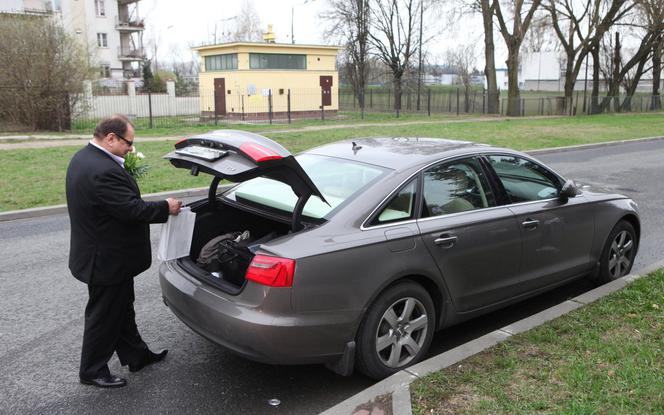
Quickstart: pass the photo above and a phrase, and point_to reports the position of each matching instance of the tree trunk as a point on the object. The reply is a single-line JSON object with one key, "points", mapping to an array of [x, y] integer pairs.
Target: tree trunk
{"points": [[513, 93], [490, 67], [571, 73], [397, 95], [594, 104], [656, 103]]}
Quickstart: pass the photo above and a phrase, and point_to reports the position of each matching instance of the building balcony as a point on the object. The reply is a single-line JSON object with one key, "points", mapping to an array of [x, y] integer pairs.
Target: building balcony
{"points": [[129, 25], [132, 73], [131, 54]]}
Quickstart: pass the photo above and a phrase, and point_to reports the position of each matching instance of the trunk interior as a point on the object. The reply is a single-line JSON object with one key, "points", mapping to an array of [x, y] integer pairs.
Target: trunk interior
{"points": [[223, 262]]}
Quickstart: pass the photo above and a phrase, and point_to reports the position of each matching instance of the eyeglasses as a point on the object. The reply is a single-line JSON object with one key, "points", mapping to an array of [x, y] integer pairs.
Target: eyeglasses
{"points": [[129, 143]]}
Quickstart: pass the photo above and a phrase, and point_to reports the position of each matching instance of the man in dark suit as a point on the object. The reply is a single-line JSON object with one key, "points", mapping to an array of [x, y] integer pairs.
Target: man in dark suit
{"points": [[110, 245]]}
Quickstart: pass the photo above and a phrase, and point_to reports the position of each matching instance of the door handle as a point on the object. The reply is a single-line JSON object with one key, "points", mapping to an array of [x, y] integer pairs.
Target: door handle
{"points": [[530, 224], [446, 241]]}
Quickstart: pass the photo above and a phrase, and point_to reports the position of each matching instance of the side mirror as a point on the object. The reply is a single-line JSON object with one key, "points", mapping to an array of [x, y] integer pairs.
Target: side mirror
{"points": [[569, 190]]}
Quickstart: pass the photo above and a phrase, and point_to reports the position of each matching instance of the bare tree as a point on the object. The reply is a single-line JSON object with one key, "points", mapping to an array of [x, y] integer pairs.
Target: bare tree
{"points": [[42, 69], [652, 14], [462, 59], [393, 35], [521, 21], [487, 10], [580, 26], [350, 21]]}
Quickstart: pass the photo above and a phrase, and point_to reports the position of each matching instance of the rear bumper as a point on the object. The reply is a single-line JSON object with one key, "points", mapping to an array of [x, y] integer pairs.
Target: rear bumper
{"points": [[259, 323]]}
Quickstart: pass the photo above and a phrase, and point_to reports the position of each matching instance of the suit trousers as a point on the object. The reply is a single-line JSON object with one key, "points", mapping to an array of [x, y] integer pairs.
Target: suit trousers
{"points": [[110, 326]]}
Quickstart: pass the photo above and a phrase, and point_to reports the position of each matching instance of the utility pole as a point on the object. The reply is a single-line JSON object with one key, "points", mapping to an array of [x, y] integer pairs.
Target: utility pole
{"points": [[419, 70]]}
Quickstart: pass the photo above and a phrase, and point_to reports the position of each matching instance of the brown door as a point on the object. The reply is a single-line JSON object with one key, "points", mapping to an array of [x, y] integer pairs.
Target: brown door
{"points": [[219, 96], [326, 90]]}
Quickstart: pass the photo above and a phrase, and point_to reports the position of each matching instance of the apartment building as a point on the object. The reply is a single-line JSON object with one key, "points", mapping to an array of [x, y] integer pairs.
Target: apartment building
{"points": [[110, 30]]}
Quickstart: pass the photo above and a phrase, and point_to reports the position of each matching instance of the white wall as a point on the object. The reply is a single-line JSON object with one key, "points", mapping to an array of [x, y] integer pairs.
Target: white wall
{"points": [[540, 65], [162, 105]]}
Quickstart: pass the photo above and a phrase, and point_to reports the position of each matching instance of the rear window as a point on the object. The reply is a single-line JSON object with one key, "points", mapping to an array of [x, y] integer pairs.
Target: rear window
{"points": [[337, 179]]}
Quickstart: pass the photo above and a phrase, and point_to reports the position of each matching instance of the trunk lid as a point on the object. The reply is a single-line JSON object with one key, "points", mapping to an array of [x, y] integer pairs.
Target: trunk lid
{"points": [[238, 156]]}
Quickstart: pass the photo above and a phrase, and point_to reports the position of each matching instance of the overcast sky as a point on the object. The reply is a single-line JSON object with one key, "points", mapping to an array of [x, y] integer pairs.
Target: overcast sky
{"points": [[177, 25]]}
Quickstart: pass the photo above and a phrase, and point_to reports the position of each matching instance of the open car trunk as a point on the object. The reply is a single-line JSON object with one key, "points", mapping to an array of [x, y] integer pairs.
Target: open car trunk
{"points": [[225, 237], [224, 262]]}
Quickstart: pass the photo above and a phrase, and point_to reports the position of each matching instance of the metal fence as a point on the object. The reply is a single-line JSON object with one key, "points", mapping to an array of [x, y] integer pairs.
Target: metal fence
{"points": [[150, 110], [268, 106], [456, 101]]}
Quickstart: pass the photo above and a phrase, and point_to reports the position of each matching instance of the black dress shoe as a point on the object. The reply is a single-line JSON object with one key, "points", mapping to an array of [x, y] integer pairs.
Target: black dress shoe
{"points": [[110, 381], [152, 358]]}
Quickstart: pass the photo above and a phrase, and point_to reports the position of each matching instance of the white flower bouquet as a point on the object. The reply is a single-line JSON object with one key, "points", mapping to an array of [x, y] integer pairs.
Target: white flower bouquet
{"points": [[134, 164]]}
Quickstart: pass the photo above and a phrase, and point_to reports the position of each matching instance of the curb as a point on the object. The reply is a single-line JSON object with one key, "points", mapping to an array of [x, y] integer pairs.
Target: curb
{"points": [[591, 146], [59, 209], [398, 385]]}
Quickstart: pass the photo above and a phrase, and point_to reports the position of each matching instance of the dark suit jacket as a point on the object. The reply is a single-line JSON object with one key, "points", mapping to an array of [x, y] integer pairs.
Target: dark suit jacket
{"points": [[110, 231]]}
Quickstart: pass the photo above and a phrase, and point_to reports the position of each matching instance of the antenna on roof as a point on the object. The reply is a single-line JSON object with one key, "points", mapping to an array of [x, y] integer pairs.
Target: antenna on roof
{"points": [[356, 148]]}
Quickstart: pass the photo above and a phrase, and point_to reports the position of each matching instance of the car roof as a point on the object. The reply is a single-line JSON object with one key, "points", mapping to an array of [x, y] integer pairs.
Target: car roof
{"points": [[397, 152]]}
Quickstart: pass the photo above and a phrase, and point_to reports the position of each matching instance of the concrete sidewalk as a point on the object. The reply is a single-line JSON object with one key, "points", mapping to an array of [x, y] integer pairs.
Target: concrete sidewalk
{"points": [[392, 395]]}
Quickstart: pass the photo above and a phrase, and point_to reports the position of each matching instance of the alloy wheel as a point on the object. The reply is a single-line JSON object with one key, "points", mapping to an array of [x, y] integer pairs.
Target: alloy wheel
{"points": [[620, 255], [401, 332]]}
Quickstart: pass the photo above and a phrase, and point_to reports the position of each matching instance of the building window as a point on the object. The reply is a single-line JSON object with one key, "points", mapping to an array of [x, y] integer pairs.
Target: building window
{"points": [[105, 70], [221, 62], [99, 8], [277, 61], [102, 40]]}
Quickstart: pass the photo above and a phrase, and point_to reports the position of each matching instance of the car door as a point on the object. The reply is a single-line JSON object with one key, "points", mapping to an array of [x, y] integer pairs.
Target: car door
{"points": [[475, 243], [556, 233]]}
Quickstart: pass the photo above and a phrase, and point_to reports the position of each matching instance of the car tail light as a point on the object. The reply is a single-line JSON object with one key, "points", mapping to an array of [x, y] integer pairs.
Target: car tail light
{"points": [[180, 142], [271, 271], [259, 153]]}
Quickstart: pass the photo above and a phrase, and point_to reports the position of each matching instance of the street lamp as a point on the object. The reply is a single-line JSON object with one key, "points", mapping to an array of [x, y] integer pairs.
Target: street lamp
{"points": [[292, 35]]}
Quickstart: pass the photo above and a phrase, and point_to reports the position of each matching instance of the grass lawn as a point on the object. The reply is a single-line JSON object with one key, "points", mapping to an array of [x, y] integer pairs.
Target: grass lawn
{"points": [[35, 177], [605, 358]]}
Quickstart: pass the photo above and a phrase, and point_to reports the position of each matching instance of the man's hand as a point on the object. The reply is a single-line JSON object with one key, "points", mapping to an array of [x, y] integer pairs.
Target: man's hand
{"points": [[174, 206]]}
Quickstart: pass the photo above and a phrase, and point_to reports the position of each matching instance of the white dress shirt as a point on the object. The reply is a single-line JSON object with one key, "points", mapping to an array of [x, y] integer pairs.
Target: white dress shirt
{"points": [[118, 159]]}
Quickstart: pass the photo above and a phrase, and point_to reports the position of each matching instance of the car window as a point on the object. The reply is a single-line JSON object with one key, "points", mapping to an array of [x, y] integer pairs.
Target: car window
{"points": [[455, 187], [401, 207], [337, 179], [524, 180]]}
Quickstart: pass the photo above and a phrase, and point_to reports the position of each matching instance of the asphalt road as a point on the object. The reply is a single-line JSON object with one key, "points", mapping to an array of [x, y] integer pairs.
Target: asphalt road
{"points": [[42, 307]]}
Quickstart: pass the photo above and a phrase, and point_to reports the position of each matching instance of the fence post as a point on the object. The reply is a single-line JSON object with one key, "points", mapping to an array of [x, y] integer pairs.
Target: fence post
{"points": [[457, 105], [242, 99], [131, 97], [474, 98], [449, 102], [170, 89], [269, 104], [289, 106], [523, 107], [362, 97], [150, 108], [429, 102], [371, 98], [483, 101]]}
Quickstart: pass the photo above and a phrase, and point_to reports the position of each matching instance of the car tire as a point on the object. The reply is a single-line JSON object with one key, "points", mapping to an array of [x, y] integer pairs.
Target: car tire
{"points": [[618, 253], [396, 331]]}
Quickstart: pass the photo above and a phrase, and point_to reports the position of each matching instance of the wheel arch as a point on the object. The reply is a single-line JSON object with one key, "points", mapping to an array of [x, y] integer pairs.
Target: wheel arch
{"points": [[434, 288], [634, 221]]}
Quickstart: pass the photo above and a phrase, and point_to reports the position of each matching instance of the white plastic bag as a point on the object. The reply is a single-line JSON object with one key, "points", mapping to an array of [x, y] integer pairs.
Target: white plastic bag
{"points": [[176, 235]]}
